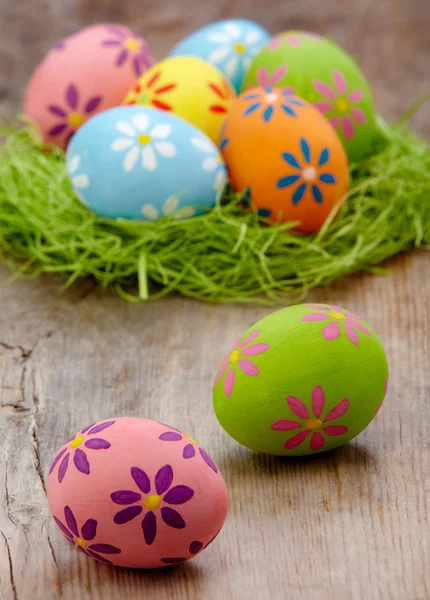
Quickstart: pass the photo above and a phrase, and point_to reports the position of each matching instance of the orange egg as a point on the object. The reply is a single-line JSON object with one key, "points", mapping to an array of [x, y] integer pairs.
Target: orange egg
{"points": [[286, 154]]}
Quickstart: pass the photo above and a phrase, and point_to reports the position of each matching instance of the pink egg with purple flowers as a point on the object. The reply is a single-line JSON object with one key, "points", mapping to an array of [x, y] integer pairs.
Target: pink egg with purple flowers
{"points": [[136, 493], [84, 74]]}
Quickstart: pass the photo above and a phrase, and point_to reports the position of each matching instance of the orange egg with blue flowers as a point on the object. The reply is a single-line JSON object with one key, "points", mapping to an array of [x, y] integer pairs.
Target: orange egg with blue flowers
{"points": [[286, 155]]}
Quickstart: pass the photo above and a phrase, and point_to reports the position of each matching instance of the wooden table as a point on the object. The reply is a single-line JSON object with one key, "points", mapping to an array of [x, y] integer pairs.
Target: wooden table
{"points": [[349, 524]]}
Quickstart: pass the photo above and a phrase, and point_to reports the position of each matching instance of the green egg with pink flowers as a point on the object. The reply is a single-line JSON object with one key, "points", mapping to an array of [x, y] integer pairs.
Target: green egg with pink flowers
{"points": [[318, 70], [303, 380]]}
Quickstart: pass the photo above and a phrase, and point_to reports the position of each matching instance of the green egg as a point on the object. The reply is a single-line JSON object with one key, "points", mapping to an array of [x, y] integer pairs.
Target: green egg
{"points": [[319, 71], [303, 380]]}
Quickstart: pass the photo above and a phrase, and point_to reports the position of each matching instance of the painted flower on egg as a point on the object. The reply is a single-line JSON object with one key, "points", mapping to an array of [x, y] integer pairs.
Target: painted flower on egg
{"points": [[73, 114], [312, 425], [338, 104], [152, 93], [189, 450], [164, 495], [130, 47], [308, 173], [81, 539], [268, 100], [335, 317], [80, 180], [170, 209], [222, 97], [234, 48], [141, 143], [212, 162], [265, 79], [240, 349], [74, 446]]}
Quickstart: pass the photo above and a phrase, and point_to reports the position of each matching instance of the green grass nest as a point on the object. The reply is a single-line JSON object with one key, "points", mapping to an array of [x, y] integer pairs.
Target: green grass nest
{"points": [[225, 255]]}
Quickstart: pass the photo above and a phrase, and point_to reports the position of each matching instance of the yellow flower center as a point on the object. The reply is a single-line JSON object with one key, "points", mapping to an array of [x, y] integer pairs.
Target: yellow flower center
{"points": [[336, 315], [313, 424], [143, 98], [240, 48], [152, 502], [342, 105], [234, 356], [81, 543], [187, 437], [77, 441], [75, 120], [144, 139], [132, 45]]}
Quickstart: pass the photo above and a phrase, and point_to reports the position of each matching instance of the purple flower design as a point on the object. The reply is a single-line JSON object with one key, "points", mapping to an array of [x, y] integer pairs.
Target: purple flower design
{"points": [[189, 450], [87, 534], [74, 114], [165, 494], [80, 458], [195, 548], [131, 48]]}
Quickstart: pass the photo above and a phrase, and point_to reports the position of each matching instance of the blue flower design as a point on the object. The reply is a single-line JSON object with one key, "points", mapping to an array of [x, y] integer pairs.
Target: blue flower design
{"points": [[246, 202], [224, 143], [269, 100], [308, 173]]}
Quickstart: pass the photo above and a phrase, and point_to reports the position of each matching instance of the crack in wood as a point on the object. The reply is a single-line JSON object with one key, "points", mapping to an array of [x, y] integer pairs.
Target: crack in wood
{"points": [[11, 575], [6, 495], [36, 450], [54, 558]]}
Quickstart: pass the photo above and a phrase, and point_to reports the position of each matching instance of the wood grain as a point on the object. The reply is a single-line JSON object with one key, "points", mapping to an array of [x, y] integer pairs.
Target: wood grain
{"points": [[350, 524]]}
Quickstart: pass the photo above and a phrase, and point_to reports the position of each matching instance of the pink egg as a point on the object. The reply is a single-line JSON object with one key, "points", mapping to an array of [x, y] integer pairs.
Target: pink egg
{"points": [[136, 493], [84, 74]]}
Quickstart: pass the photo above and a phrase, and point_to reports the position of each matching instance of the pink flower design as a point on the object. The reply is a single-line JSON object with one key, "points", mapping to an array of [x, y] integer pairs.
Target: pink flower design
{"points": [[295, 39], [265, 80], [275, 42], [312, 425], [340, 109], [336, 316], [385, 390], [131, 48], [236, 356], [72, 117]]}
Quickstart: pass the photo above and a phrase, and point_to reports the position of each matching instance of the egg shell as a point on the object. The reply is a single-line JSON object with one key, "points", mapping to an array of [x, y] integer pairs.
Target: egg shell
{"points": [[84, 74], [318, 70], [136, 493], [229, 45], [135, 162], [286, 155], [303, 380], [189, 88]]}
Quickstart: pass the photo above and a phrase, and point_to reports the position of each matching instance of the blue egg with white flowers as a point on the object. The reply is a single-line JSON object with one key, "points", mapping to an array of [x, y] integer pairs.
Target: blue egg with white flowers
{"points": [[136, 162], [230, 45]]}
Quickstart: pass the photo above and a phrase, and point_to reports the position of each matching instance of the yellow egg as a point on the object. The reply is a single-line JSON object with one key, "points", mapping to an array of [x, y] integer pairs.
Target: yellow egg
{"points": [[190, 88]]}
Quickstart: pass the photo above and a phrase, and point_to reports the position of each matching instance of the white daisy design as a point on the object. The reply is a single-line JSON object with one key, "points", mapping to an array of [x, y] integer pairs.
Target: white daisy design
{"points": [[143, 146], [80, 181], [212, 162], [235, 47], [170, 209]]}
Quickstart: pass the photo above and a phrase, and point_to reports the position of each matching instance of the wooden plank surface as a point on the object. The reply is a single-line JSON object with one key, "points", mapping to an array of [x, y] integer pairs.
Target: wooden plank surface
{"points": [[350, 524]]}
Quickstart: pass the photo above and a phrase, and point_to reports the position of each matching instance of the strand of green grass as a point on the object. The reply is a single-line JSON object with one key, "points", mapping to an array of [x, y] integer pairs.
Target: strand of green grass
{"points": [[224, 255]]}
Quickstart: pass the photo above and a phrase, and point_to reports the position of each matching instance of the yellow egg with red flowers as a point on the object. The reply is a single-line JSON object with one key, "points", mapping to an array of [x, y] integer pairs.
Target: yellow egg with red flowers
{"points": [[189, 87], [286, 155]]}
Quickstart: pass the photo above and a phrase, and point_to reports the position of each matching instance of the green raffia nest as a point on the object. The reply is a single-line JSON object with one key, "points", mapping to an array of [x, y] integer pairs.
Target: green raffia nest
{"points": [[225, 255]]}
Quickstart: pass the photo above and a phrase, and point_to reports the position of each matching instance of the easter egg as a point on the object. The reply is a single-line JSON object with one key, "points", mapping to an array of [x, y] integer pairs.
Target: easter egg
{"points": [[303, 380], [136, 162], [319, 71], [229, 45], [288, 158], [188, 87], [84, 74], [136, 493]]}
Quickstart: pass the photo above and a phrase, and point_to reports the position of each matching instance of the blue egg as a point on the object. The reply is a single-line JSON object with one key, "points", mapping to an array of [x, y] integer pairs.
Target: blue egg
{"points": [[231, 46], [135, 162]]}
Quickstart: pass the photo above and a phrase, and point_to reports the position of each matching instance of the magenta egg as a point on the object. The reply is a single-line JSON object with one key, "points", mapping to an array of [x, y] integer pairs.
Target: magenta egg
{"points": [[84, 74], [136, 493]]}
